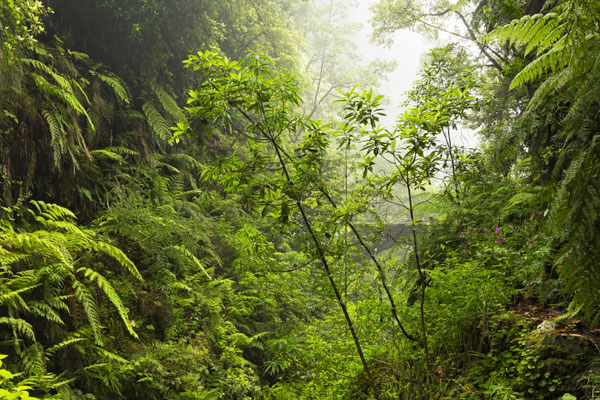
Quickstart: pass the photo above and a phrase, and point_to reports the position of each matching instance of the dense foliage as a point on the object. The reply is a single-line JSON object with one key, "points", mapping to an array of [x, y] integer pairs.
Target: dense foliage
{"points": [[176, 229]]}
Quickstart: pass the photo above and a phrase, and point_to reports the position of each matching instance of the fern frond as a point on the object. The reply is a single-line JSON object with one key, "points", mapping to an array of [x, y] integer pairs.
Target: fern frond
{"points": [[118, 86], [53, 211], [546, 62], [31, 359], [67, 96], [168, 103], [156, 121], [50, 351], [14, 300], [20, 325], [44, 310], [87, 301], [110, 292], [189, 256], [119, 256], [121, 150], [109, 155], [58, 135], [168, 167], [110, 355], [58, 303], [186, 160], [63, 82], [556, 34]]}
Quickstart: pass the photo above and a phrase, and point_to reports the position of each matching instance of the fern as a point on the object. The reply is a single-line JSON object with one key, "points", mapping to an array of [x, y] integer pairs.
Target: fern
{"points": [[63, 82], [117, 85], [187, 254], [53, 212], [57, 134], [549, 61], [67, 96], [45, 311], [110, 293], [87, 301], [13, 298], [20, 326], [119, 256], [54, 253], [156, 121], [168, 103]]}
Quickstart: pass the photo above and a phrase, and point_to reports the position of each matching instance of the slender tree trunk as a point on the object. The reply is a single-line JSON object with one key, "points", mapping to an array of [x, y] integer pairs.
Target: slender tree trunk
{"points": [[449, 142], [317, 243], [379, 270], [422, 277], [322, 256]]}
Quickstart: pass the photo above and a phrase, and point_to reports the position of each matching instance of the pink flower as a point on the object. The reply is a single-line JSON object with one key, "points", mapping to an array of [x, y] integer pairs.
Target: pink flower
{"points": [[566, 229], [497, 230], [510, 226], [485, 229], [554, 290], [568, 255], [548, 282], [528, 244], [524, 222], [496, 241]]}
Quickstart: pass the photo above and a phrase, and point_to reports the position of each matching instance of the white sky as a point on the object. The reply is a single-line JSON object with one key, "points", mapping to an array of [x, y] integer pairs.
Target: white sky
{"points": [[407, 50]]}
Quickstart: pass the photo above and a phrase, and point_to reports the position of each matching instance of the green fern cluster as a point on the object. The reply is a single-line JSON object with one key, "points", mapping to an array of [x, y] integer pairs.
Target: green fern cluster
{"points": [[160, 125], [563, 115], [50, 284]]}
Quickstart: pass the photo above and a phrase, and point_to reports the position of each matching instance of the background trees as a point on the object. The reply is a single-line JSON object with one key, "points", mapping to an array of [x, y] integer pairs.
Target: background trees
{"points": [[223, 242]]}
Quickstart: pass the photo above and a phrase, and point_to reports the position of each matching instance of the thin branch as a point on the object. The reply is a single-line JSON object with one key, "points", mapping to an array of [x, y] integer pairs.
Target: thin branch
{"points": [[478, 43]]}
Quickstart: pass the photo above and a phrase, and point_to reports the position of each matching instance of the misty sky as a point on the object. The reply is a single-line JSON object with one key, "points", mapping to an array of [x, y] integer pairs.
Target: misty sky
{"points": [[407, 50]]}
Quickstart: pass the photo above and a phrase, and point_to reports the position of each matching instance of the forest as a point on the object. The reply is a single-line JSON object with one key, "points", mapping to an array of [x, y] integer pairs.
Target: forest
{"points": [[203, 199]]}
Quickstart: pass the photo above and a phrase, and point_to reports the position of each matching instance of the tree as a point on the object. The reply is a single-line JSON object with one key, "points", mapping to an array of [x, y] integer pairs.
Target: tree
{"points": [[330, 61], [21, 21], [260, 104]]}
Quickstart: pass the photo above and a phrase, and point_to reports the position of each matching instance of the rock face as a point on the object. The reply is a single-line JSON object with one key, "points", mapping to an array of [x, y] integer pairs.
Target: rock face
{"points": [[546, 327]]}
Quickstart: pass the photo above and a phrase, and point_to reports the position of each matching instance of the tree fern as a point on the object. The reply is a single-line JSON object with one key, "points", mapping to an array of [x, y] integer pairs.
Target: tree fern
{"points": [[559, 38], [566, 71], [547, 62]]}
